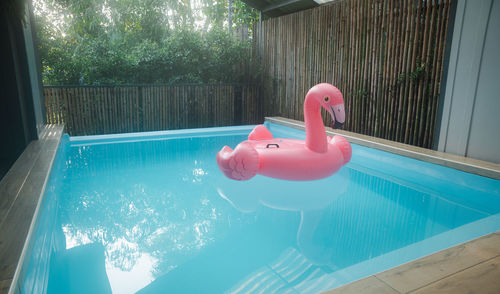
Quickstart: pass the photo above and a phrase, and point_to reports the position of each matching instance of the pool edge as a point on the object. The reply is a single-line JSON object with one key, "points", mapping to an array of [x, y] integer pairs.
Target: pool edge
{"points": [[28, 199], [476, 253], [466, 164]]}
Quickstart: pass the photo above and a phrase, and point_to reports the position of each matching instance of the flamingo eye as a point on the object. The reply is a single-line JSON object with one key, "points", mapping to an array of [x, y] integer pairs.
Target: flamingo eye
{"points": [[327, 98]]}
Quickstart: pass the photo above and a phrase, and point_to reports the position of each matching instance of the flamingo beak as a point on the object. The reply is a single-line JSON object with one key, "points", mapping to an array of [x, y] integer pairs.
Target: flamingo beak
{"points": [[338, 115]]}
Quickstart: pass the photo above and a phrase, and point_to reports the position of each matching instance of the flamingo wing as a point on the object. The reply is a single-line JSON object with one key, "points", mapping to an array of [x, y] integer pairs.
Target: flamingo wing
{"points": [[240, 164]]}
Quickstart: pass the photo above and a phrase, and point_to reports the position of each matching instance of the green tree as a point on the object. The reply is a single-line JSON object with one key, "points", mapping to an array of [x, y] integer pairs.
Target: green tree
{"points": [[151, 41]]}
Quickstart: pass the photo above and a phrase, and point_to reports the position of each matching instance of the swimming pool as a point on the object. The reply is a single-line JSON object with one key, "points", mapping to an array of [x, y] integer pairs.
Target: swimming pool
{"points": [[151, 213]]}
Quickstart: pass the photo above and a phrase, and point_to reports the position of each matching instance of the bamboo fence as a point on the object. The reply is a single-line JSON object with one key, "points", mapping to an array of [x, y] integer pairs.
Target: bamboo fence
{"points": [[91, 110], [386, 57]]}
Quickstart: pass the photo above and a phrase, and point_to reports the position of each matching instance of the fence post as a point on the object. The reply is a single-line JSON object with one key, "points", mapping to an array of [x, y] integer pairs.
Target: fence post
{"points": [[238, 105], [191, 107], [139, 105], [260, 101]]}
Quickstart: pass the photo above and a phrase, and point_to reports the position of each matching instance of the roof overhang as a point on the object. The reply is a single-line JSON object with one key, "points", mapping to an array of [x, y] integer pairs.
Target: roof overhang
{"points": [[273, 8]]}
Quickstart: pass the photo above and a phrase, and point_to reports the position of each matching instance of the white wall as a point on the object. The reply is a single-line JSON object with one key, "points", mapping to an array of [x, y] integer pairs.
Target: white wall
{"points": [[470, 124]]}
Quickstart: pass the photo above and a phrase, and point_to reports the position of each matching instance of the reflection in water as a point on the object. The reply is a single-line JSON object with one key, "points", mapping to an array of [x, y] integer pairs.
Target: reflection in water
{"points": [[151, 209], [346, 219], [133, 280], [158, 215], [309, 198]]}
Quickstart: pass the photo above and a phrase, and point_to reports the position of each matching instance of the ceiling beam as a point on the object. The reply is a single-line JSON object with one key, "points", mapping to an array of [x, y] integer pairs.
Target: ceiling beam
{"points": [[280, 5], [259, 5]]}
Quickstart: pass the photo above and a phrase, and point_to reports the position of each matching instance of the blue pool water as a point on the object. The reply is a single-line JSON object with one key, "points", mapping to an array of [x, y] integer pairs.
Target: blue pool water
{"points": [[151, 213]]}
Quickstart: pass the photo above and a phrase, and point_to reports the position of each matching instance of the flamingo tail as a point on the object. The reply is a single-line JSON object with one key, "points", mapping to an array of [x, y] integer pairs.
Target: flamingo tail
{"points": [[344, 147], [240, 164]]}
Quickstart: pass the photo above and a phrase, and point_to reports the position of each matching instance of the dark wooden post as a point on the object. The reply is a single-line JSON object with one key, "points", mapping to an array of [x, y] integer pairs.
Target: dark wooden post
{"points": [[238, 105]]}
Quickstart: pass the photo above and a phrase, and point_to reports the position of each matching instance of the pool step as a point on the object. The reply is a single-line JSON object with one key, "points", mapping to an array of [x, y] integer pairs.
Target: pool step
{"points": [[81, 269], [291, 271]]}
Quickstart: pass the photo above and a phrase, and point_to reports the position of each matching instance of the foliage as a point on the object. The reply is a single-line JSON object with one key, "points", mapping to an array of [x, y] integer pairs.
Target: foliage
{"points": [[244, 14], [151, 41]]}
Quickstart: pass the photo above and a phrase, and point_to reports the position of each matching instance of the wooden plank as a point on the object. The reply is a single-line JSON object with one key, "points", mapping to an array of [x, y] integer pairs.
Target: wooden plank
{"points": [[434, 267], [393, 68], [49, 112], [481, 278], [104, 106], [22, 187], [366, 285]]}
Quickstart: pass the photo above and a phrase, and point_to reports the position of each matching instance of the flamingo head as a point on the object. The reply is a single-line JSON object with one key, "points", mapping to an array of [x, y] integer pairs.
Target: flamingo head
{"points": [[331, 99]]}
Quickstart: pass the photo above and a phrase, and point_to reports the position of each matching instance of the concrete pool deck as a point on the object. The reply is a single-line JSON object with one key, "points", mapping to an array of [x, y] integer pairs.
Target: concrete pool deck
{"points": [[472, 267]]}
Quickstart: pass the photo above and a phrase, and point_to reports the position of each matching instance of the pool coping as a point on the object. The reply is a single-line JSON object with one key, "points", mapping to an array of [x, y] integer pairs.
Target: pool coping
{"points": [[466, 164], [22, 189], [470, 267]]}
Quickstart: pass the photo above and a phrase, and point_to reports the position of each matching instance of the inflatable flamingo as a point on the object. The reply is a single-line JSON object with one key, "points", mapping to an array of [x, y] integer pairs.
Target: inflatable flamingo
{"points": [[317, 157]]}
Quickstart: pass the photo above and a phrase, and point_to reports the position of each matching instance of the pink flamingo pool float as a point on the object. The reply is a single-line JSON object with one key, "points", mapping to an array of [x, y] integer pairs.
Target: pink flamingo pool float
{"points": [[317, 157]]}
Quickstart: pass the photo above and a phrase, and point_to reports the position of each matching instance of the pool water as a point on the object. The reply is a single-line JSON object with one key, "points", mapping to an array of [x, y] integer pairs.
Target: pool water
{"points": [[151, 213]]}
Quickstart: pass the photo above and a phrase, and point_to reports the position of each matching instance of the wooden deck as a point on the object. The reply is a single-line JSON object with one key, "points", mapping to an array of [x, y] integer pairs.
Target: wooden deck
{"points": [[472, 267], [20, 192]]}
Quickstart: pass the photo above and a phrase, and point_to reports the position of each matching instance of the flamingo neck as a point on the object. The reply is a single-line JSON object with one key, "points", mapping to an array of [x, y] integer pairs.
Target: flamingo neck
{"points": [[315, 130]]}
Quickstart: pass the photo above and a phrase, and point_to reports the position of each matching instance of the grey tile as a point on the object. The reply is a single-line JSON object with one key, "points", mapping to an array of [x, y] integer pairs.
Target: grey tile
{"points": [[366, 285], [482, 278]]}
